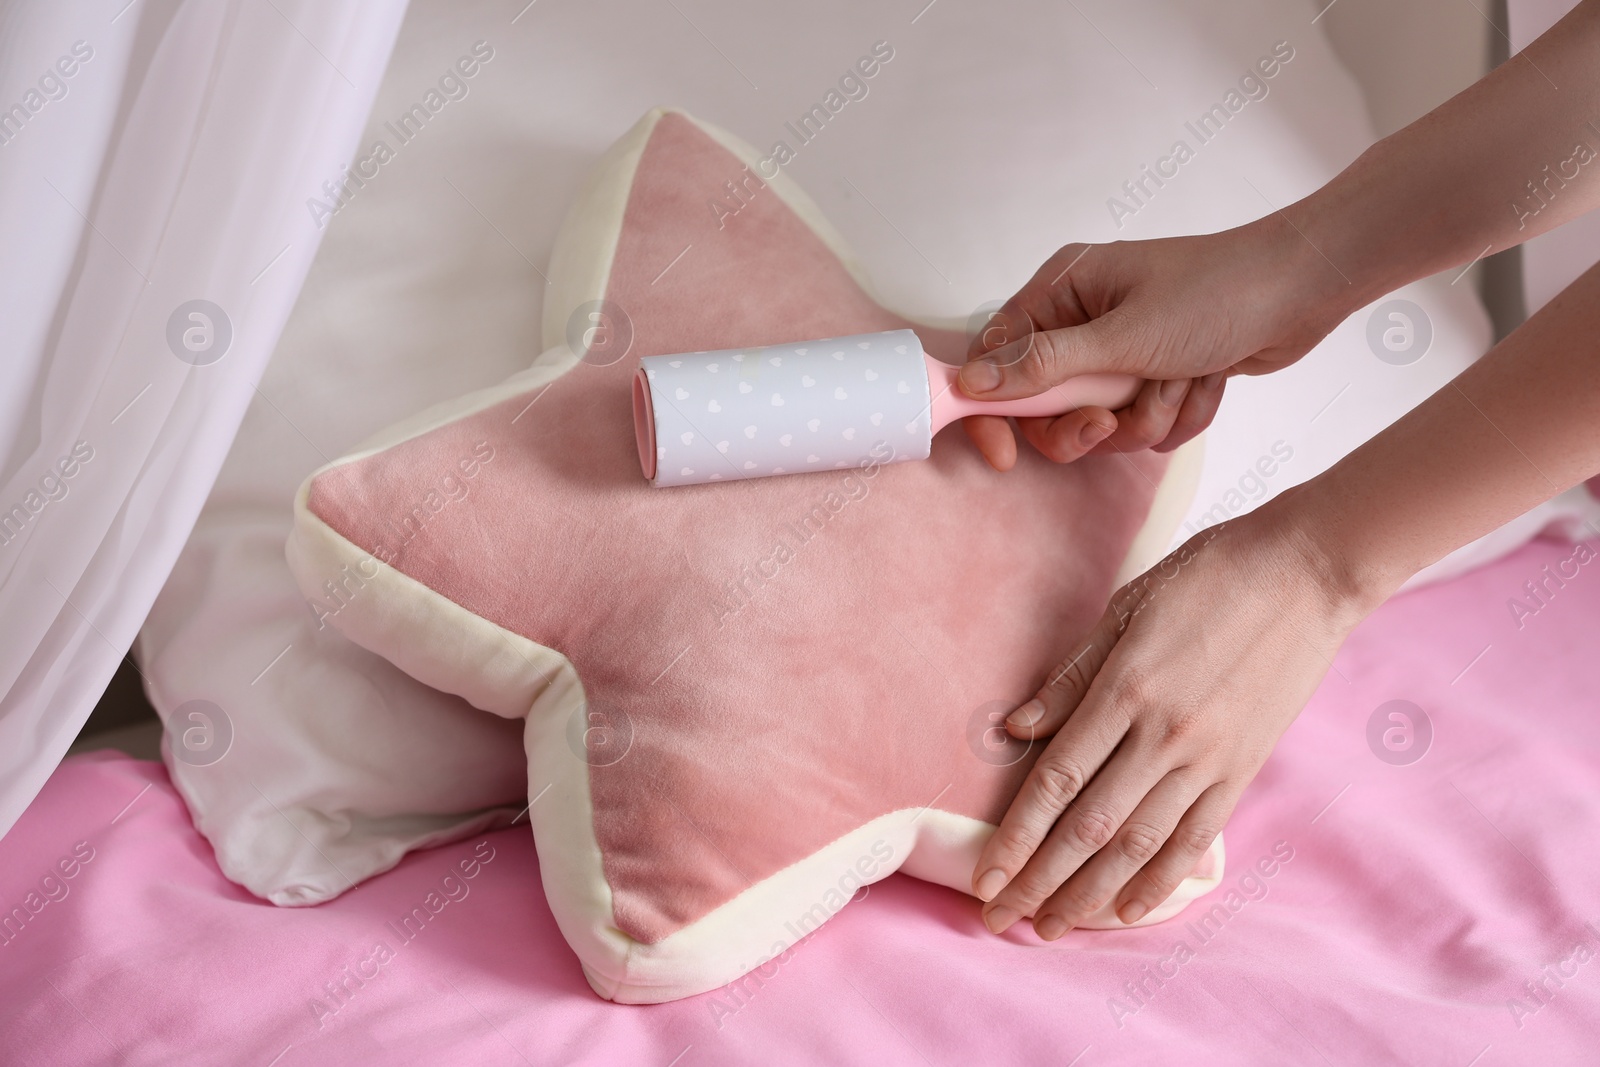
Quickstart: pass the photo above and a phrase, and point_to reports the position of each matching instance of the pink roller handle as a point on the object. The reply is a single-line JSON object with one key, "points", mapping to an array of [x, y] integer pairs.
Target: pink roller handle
{"points": [[1085, 391]]}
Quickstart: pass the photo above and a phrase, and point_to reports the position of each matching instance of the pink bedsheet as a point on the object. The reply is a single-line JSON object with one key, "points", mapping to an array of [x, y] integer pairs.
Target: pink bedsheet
{"points": [[1445, 911]]}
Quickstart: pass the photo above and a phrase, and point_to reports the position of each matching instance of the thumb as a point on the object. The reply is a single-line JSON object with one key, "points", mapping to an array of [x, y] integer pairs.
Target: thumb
{"points": [[1032, 364]]}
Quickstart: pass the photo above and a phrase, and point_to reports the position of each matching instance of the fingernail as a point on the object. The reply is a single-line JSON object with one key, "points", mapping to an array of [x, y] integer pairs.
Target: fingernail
{"points": [[998, 919], [1132, 911], [991, 883], [1050, 927], [1027, 715], [1092, 434], [1171, 391], [980, 377]]}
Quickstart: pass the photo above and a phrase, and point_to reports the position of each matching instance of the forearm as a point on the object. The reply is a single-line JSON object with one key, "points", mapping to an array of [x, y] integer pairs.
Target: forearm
{"points": [[1516, 154], [1516, 428]]}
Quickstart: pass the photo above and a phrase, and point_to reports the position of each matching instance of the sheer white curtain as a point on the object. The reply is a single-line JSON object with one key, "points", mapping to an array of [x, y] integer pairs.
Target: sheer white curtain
{"points": [[156, 159]]}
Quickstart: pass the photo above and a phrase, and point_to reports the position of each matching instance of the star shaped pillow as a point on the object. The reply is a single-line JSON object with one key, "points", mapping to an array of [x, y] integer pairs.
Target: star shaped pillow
{"points": [[744, 700]]}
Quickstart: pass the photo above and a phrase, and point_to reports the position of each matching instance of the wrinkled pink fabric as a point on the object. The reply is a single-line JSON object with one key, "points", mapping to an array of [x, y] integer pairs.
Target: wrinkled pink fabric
{"points": [[778, 699], [1418, 906]]}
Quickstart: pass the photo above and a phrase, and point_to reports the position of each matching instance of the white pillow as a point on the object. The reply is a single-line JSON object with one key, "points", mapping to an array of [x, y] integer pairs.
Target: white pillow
{"points": [[992, 136], [338, 762]]}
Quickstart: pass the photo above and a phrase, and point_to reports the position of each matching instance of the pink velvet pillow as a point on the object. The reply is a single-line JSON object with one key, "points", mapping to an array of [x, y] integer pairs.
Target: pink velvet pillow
{"points": [[789, 687]]}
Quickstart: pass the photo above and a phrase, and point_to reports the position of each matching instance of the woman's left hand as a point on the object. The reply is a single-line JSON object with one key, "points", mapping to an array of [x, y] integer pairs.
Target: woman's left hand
{"points": [[1160, 719]]}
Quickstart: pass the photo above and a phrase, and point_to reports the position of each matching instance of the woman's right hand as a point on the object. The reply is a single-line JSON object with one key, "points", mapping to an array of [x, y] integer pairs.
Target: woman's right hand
{"points": [[1183, 313]]}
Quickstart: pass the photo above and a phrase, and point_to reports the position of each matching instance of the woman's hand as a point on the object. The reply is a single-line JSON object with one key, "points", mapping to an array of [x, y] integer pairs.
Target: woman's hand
{"points": [[1167, 711], [1160, 719], [1182, 312]]}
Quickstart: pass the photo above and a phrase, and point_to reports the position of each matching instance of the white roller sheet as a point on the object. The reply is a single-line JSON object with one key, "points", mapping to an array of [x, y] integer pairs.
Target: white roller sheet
{"points": [[785, 409]]}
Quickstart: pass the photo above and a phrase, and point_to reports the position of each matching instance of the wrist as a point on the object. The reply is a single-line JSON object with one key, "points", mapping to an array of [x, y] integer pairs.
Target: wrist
{"points": [[1358, 237], [1333, 544], [1310, 295]]}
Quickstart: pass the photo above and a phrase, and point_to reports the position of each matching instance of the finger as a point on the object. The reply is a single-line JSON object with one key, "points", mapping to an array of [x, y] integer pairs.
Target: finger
{"points": [[1086, 826], [1043, 303], [1071, 436], [993, 436], [1015, 320], [1070, 760], [1176, 860], [1199, 408], [1056, 779], [1135, 843], [1032, 364], [1068, 682], [1150, 418]]}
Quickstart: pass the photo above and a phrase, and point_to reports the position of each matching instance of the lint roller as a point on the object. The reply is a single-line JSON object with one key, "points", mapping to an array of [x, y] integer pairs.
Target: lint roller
{"points": [[816, 405]]}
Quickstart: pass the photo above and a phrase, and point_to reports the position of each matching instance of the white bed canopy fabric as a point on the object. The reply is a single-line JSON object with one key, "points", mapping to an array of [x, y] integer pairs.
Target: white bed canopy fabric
{"points": [[153, 153]]}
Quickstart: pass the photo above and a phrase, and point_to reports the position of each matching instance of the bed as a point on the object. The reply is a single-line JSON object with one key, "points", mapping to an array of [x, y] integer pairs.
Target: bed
{"points": [[1441, 911]]}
